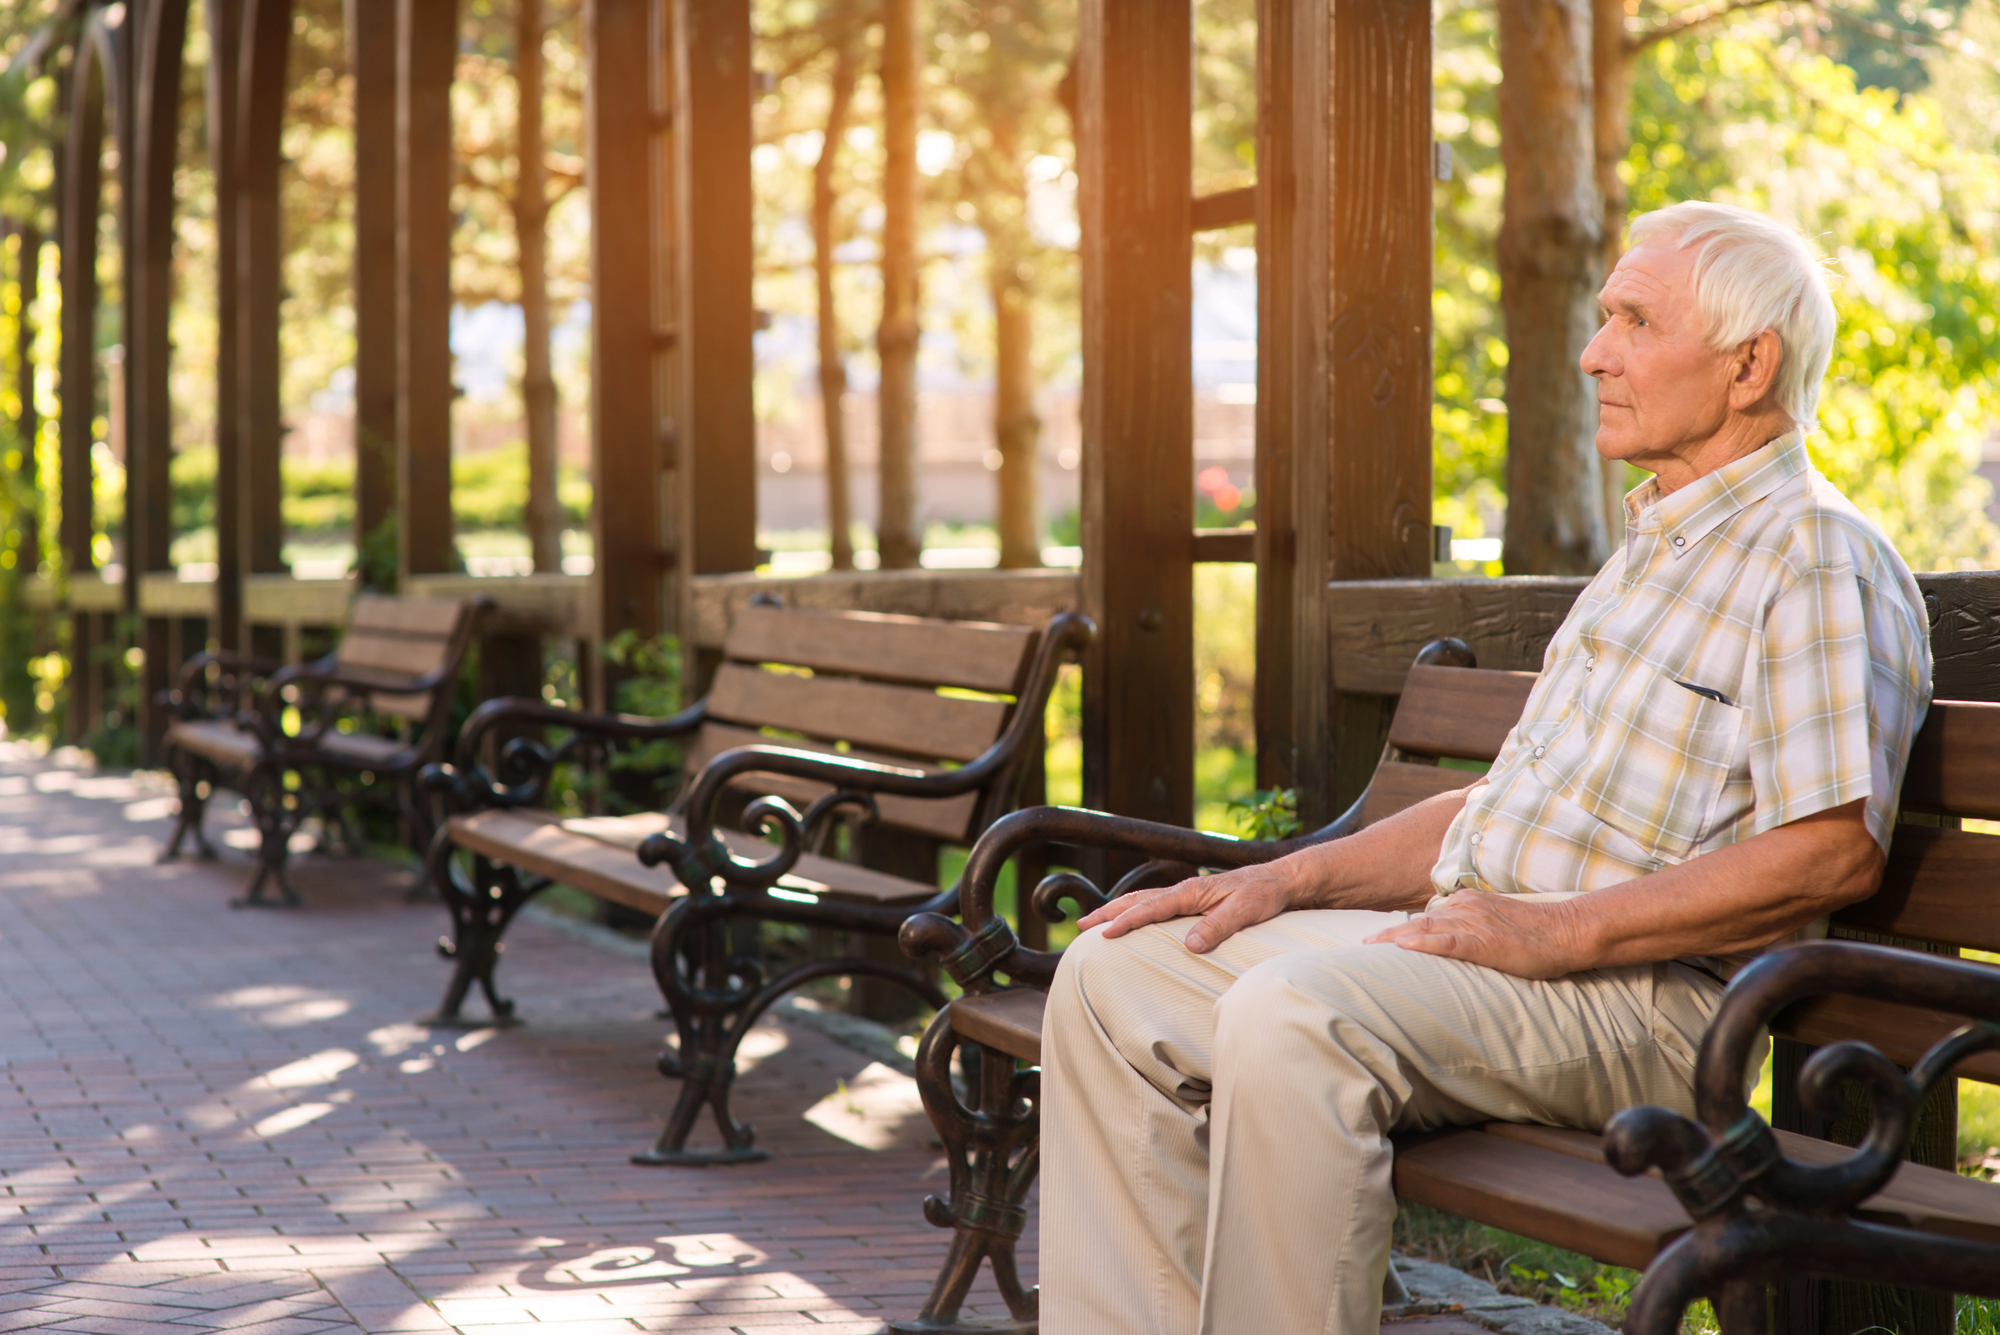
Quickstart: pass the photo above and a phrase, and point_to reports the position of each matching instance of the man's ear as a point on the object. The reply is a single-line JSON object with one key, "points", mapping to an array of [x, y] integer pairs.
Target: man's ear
{"points": [[1756, 370]]}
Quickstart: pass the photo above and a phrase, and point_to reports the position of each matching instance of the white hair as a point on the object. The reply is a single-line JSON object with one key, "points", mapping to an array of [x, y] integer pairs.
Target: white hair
{"points": [[1751, 274]]}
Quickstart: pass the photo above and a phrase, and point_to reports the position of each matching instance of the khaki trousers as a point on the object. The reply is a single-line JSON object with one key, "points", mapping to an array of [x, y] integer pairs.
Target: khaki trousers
{"points": [[1215, 1127]]}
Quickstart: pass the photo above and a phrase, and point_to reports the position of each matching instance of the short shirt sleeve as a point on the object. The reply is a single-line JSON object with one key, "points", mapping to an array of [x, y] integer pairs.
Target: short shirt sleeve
{"points": [[1843, 689]]}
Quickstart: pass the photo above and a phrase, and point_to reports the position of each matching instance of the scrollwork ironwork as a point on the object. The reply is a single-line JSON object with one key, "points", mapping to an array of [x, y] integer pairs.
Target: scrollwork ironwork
{"points": [[1756, 1209]]}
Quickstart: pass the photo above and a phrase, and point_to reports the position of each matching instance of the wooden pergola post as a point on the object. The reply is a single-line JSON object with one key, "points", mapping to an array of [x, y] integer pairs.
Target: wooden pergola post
{"points": [[624, 105], [426, 57], [371, 44], [260, 108], [1134, 148], [1344, 363], [95, 86], [225, 43], [714, 318], [149, 443]]}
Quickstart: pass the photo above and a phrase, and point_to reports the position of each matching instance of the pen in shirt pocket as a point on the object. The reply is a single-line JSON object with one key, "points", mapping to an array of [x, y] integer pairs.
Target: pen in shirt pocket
{"points": [[1714, 695]]}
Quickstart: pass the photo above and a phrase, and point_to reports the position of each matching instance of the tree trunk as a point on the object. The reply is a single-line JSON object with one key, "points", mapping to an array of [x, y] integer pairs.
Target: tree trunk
{"points": [[28, 424], [1611, 97], [531, 219], [1550, 250], [897, 536], [832, 366], [1016, 429]]}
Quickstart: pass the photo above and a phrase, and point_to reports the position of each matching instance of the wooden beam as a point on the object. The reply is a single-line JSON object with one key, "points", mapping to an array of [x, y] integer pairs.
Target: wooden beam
{"points": [[1224, 208], [225, 45], [260, 103], [1346, 213], [1134, 162], [427, 55], [627, 425], [149, 442], [714, 361], [371, 47], [1378, 626], [1012, 597]]}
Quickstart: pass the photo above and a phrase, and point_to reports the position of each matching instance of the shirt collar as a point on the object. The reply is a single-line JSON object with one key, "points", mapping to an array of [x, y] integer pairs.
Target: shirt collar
{"points": [[1687, 516]]}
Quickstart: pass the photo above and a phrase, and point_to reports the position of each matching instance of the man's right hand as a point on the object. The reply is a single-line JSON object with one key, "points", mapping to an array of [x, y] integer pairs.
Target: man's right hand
{"points": [[1386, 866], [1226, 903]]}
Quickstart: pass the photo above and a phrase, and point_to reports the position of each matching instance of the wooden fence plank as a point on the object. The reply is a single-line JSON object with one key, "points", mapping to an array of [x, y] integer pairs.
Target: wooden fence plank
{"points": [[1378, 626]]}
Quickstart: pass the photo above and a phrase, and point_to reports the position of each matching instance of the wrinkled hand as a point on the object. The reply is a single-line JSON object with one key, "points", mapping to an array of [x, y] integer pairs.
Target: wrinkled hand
{"points": [[1226, 903], [1524, 937]]}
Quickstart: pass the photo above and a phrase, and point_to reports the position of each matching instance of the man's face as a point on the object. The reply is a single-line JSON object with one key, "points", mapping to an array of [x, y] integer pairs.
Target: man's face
{"points": [[1661, 390]]}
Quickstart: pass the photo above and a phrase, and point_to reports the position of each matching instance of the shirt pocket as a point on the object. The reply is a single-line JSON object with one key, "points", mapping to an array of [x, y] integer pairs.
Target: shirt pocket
{"points": [[1654, 763]]}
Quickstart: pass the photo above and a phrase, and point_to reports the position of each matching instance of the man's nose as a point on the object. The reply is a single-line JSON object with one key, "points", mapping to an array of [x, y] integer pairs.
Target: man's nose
{"points": [[1597, 359]]}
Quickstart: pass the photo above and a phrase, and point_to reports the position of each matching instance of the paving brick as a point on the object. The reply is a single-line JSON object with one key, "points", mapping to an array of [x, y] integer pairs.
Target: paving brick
{"points": [[154, 1177]]}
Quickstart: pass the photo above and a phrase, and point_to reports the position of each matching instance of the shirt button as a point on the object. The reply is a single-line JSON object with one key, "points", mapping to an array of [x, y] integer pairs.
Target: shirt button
{"points": [[1680, 542], [1590, 662], [1475, 841], [1540, 751]]}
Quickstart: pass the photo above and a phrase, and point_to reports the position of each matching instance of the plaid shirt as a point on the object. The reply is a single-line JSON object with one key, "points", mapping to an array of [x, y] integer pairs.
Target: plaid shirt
{"points": [[1766, 589]]}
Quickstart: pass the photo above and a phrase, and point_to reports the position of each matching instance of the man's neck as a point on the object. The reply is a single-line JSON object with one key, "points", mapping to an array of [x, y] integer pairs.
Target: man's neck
{"points": [[1739, 438]]}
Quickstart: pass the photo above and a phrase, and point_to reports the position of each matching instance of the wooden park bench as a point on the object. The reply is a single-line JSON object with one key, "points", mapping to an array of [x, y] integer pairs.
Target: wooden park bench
{"points": [[370, 715], [922, 730], [1942, 886]]}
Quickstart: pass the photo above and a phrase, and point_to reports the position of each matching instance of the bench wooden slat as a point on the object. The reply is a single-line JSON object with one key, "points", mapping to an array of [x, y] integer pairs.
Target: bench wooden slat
{"points": [[948, 818], [902, 719], [596, 856], [977, 656], [1008, 1021], [1900, 1033], [1939, 885], [412, 656], [436, 617], [1398, 785], [1952, 759], [1465, 713], [1919, 1197], [1550, 1196]]}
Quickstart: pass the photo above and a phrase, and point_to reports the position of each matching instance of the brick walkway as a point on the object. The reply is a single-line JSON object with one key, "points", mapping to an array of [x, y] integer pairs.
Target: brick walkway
{"points": [[227, 1120]]}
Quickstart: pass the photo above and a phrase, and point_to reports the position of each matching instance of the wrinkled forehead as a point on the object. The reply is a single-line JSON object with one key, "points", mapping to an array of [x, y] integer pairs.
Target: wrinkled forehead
{"points": [[1654, 273]]}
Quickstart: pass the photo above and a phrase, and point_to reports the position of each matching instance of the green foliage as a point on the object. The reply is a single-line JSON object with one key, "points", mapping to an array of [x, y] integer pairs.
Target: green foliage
{"points": [[649, 684], [1268, 813]]}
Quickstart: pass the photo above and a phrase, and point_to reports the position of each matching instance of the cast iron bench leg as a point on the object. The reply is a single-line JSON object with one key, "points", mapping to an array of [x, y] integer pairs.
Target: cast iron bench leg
{"points": [[992, 1151], [277, 811], [481, 907], [714, 998], [195, 778]]}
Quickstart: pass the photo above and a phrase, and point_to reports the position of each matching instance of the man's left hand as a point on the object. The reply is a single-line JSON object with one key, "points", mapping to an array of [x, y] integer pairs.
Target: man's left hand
{"points": [[1523, 937]]}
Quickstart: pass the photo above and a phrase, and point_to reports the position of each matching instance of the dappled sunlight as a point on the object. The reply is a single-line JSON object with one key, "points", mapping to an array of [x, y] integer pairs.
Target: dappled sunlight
{"points": [[319, 1069]]}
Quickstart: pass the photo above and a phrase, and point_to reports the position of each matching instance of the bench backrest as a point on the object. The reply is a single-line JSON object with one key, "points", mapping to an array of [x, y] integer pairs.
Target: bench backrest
{"points": [[909, 691], [1941, 885], [402, 640]]}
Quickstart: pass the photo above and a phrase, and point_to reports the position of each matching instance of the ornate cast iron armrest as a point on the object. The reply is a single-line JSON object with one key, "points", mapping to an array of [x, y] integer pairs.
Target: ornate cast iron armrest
{"points": [[523, 767], [1756, 1210], [854, 782], [982, 944], [212, 675]]}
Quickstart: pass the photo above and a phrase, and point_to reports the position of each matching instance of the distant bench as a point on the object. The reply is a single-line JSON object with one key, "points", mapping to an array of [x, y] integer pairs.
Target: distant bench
{"points": [[1942, 885], [371, 715]]}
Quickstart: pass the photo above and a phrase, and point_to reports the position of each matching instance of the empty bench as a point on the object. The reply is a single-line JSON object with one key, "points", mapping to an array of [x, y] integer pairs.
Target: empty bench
{"points": [[1549, 1183], [370, 716], [923, 728]]}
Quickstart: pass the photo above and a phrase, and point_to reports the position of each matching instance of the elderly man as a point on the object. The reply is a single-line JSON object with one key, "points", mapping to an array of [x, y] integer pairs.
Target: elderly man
{"points": [[1708, 764]]}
